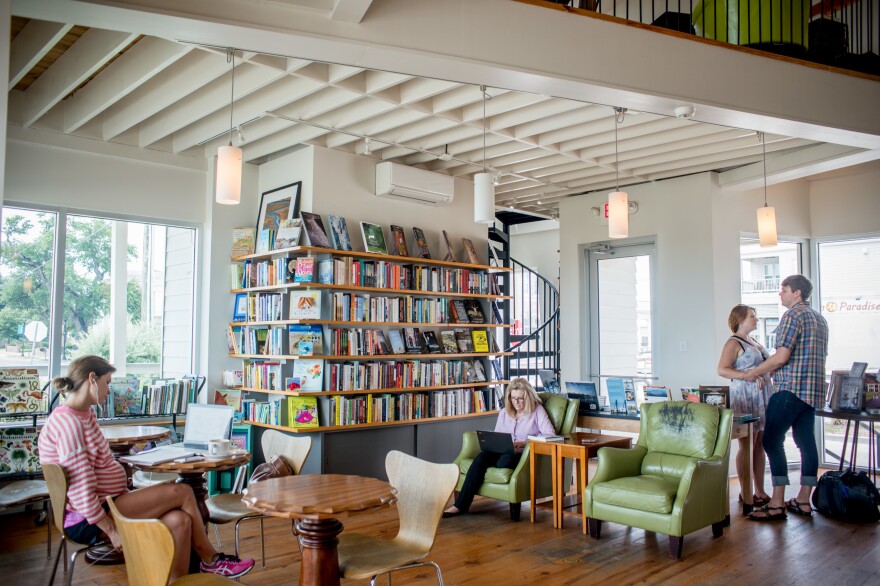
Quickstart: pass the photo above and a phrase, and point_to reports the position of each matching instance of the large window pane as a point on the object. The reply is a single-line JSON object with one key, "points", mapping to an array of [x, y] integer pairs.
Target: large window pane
{"points": [[26, 264]]}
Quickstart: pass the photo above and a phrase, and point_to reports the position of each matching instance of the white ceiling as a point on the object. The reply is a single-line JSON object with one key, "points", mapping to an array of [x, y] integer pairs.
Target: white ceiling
{"points": [[160, 94]]}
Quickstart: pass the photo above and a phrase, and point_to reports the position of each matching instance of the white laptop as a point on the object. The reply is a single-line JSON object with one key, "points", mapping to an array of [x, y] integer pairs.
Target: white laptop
{"points": [[203, 423]]}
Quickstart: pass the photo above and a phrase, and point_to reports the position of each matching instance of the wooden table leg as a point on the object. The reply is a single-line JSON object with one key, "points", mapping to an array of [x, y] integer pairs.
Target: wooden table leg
{"points": [[745, 483], [532, 458], [583, 463], [320, 562], [557, 489]]}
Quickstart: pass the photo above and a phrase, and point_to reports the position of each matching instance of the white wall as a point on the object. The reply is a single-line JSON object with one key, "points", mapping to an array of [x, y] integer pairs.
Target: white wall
{"points": [[846, 205], [537, 247]]}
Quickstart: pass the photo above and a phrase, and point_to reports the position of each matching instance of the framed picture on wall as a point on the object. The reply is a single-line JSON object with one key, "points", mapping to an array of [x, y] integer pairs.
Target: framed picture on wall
{"points": [[276, 205]]}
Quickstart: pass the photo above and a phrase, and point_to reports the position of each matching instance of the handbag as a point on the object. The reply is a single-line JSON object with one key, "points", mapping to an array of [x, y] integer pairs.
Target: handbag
{"points": [[274, 468], [847, 496]]}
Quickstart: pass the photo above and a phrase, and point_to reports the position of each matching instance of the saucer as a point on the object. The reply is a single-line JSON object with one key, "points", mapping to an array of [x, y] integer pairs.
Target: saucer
{"points": [[218, 458]]}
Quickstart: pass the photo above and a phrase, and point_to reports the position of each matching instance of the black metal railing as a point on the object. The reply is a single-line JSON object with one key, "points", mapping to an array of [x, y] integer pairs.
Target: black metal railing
{"points": [[840, 33]]}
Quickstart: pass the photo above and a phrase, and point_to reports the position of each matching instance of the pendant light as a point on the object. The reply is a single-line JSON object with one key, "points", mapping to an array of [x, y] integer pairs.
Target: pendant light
{"points": [[766, 214], [228, 186], [618, 202], [484, 183]]}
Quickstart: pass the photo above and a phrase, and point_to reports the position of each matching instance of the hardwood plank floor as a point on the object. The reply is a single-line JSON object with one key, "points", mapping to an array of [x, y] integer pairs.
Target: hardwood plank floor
{"points": [[486, 548]]}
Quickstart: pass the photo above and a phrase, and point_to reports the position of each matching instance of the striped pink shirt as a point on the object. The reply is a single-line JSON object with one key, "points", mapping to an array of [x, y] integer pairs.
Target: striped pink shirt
{"points": [[74, 440]]}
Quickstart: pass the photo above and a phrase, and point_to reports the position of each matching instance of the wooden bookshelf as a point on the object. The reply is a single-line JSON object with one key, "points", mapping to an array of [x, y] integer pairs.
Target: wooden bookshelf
{"points": [[374, 391], [413, 292], [364, 357], [370, 425], [369, 324]]}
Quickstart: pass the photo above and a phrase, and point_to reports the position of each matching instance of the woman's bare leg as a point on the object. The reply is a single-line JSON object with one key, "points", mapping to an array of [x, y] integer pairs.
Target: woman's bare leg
{"points": [[759, 464], [181, 530], [155, 501]]}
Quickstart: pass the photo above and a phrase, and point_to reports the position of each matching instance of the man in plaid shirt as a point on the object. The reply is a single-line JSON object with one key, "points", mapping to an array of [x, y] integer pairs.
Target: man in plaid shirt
{"points": [[799, 378]]}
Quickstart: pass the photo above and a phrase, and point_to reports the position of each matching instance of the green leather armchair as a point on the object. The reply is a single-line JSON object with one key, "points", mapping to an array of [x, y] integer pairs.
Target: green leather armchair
{"points": [[512, 486], [674, 480]]}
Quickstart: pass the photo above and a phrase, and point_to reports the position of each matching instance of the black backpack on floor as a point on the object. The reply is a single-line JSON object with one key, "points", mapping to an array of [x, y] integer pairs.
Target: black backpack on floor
{"points": [[847, 496]]}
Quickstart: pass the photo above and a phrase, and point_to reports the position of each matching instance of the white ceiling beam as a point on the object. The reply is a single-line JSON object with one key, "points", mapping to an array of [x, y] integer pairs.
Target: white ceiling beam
{"points": [[581, 115], [142, 62], [379, 127], [91, 52], [659, 142], [538, 112], [718, 158], [796, 165], [734, 148], [37, 38], [350, 10], [196, 67], [280, 140]]}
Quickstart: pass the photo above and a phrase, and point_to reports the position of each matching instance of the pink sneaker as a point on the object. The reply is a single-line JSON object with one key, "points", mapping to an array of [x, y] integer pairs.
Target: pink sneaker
{"points": [[227, 565]]}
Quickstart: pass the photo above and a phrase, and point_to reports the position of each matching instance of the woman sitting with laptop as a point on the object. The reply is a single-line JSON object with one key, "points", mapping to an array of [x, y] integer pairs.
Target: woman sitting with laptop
{"points": [[523, 415], [72, 439]]}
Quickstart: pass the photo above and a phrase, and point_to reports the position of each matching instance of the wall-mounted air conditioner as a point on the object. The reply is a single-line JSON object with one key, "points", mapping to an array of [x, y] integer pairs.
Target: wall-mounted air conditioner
{"points": [[417, 185]]}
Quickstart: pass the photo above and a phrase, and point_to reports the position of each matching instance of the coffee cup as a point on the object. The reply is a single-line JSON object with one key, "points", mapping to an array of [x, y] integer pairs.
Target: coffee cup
{"points": [[218, 448]]}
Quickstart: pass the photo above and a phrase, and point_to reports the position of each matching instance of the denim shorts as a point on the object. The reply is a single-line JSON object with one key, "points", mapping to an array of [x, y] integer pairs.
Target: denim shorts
{"points": [[86, 533]]}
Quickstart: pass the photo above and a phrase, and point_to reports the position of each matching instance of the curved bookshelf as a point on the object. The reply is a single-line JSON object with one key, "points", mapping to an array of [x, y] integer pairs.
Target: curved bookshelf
{"points": [[374, 324], [335, 357], [413, 292], [368, 425]]}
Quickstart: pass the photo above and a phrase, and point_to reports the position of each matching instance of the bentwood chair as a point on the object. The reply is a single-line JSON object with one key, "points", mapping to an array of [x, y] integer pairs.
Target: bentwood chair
{"points": [[228, 508], [674, 480], [149, 553], [56, 482], [513, 486], [423, 489]]}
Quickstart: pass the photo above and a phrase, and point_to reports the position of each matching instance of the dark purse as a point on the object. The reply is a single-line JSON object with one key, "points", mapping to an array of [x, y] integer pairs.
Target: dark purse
{"points": [[274, 468]]}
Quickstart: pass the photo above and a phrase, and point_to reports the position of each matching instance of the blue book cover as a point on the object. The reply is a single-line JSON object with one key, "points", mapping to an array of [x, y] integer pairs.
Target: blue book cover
{"points": [[616, 394], [325, 271]]}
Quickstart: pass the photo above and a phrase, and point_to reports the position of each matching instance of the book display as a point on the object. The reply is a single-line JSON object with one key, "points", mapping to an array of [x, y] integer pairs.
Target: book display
{"points": [[354, 339]]}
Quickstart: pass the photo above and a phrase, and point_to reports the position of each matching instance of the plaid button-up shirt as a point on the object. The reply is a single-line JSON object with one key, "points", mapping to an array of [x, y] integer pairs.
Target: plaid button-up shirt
{"points": [[804, 332]]}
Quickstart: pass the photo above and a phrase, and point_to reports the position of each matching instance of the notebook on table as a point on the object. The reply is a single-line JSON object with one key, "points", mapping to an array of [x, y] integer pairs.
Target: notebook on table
{"points": [[494, 441]]}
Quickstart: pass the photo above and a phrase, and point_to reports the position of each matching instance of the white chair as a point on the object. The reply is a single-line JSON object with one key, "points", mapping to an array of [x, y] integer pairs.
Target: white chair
{"points": [[22, 493], [226, 508], [423, 489]]}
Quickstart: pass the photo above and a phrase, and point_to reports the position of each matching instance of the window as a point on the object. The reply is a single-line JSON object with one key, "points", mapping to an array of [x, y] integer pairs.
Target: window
{"points": [[621, 311], [128, 292], [848, 295]]}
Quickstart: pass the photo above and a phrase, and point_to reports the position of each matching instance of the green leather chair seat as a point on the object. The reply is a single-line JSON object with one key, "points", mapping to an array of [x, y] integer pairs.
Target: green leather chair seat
{"points": [[493, 475], [654, 494]]}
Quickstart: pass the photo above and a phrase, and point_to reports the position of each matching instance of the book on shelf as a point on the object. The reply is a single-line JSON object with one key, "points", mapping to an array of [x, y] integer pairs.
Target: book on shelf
{"points": [[474, 311], [395, 338], [449, 256], [236, 275], [399, 238], [339, 232], [413, 340], [242, 242], [481, 340], [126, 396], [546, 438], [265, 240], [325, 271], [447, 339], [459, 311], [422, 243], [305, 268], [289, 232], [493, 345], [233, 378], [310, 334], [234, 339], [315, 230], [260, 338], [374, 238], [231, 397], [22, 442], [305, 305], [463, 337], [431, 342], [20, 391], [302, 412], [470, 251], [308, 375], [479, 372]]}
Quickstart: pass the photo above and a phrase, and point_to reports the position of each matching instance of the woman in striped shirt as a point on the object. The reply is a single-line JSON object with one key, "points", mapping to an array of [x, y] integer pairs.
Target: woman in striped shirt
{"points": [[72, 438]]}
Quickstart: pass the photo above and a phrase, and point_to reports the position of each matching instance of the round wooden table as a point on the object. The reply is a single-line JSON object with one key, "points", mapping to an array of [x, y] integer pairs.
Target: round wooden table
{"points": [[193, 473], [317, 502]]}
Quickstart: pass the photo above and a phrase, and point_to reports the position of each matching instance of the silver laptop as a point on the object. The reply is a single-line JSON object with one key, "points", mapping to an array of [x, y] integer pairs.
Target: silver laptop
{"points": [[203, 424]]}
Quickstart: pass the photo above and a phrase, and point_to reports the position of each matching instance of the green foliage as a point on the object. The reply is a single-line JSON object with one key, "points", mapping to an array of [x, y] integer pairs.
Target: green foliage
{"points": [[134, 300], [143, 342]]}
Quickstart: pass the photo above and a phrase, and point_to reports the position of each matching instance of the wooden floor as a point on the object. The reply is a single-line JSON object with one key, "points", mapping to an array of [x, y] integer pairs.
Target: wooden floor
{"points": [[486, 548]]}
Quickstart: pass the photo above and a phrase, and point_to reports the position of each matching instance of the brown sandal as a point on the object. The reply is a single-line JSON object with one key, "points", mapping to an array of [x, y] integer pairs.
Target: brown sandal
{"points": [[758, 501], [768, 514], [797, 507]]}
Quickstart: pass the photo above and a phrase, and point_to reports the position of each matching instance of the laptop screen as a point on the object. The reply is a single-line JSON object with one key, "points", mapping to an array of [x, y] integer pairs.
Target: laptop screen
{"points": [[586, 392], [207, 422]]}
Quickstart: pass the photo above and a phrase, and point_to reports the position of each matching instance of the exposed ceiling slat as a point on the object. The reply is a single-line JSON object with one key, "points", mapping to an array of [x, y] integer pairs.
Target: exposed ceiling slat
{"points": [[31, 44]]}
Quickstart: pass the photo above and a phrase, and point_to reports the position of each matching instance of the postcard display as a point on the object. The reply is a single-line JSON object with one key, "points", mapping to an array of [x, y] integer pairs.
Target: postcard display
{"points": [[362, 339]]}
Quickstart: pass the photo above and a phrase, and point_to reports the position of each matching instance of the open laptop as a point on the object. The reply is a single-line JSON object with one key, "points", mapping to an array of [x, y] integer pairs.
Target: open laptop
{"points": [[495, 441], [586, 392], [203, 424]]}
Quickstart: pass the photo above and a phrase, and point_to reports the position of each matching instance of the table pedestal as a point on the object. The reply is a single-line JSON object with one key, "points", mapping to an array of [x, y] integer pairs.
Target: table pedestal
{"points": [[320, 562]]}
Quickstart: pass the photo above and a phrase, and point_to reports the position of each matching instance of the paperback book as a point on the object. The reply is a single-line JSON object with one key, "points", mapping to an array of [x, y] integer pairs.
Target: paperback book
{"points": [[304, 272], [395, 338], [306, 339], [289, 233], [242, 242], [127, 397], [374, 238], [431, 342], [20, 391], [266, 240], [399, 238], [18, 450], [422, 243], [449, 256], [413, 340], [308, 375], [302, 412], [460, 311], [305, 305], [325, 271], [231, 397], [315, 229], [447, 339], [470, 251], [474, 311], [463, 337], [339, 232], [481, 341]]}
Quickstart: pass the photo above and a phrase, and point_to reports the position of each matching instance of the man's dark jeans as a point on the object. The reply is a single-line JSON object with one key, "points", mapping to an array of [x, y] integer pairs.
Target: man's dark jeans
{"points": [[786, 411]]}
